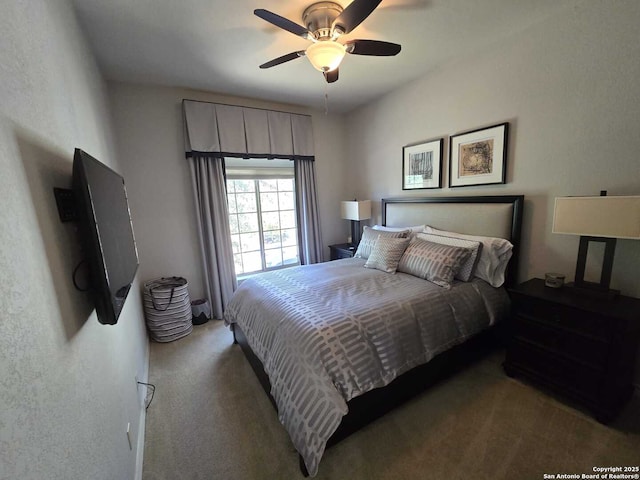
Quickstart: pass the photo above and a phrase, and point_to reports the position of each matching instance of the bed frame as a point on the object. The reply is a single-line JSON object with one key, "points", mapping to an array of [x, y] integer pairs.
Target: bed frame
{"points": [[498, 216]]}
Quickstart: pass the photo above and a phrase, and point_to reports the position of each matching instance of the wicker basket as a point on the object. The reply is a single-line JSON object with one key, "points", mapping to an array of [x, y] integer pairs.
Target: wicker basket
{"points": [[167, 308]]}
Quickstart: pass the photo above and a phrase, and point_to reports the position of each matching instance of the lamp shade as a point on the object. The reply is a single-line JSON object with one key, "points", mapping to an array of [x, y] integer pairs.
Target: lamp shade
{"points": [[356, 210], [326, 55], [607, 216]]}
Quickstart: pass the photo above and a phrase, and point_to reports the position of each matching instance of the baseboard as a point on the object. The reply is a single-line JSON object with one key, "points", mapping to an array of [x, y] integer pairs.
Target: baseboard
{"points": [[143, 421], [140, 446]]}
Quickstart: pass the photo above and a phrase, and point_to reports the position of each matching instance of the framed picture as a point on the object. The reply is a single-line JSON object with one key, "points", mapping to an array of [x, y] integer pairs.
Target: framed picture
{"points": [[478, 157], [422, 165]]}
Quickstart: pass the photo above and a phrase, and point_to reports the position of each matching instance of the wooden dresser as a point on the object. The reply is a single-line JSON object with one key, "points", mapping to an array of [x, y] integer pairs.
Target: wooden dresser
{"points": [[579, 346]]}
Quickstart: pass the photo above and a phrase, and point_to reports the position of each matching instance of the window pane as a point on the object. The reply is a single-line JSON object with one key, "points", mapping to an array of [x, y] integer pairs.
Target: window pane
{"points": [[246, 202], [230, 186], [289, 237], [250, 242], [231, 201], [290, 255], [233, 224], [237, 262], [245, 185], [268, 185], [235, 243], [287, 219], [269, 202], [273, 258], [248, 222], [272, 239], [270, 221], [252, 262], [286, 200], [285, 184]]}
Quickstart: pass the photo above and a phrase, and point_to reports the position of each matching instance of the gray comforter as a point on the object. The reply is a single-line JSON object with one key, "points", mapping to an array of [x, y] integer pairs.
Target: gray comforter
{"points": [[329, 332]]}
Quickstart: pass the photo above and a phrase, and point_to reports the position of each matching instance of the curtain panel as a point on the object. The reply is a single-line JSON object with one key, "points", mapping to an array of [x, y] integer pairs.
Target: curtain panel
{"points": [[309, 238], [208, 181]]}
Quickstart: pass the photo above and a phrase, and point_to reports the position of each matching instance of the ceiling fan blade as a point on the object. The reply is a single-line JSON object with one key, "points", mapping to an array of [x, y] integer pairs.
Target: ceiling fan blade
{"points": [[331, 76], [284, 58], [376, 48], [354, 15], [284, 23]]}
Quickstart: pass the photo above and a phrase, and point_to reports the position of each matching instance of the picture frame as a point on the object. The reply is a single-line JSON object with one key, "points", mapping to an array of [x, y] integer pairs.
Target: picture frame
{"points": [[422, 165], [479, 157]]}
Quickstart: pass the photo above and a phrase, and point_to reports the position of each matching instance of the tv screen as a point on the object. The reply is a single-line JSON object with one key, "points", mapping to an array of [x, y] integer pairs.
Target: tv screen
{"points": [[107, 234]]}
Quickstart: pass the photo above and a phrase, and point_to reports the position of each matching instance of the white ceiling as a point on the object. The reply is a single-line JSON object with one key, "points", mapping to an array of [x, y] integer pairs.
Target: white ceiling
{"points": [[217, 45]]}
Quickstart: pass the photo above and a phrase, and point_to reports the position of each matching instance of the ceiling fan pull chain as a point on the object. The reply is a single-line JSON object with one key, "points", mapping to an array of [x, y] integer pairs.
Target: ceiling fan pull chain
{"points": [[326, 99]]}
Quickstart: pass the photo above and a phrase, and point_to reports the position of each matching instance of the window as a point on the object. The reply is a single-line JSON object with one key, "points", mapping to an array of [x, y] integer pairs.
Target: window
{"points": [[262, 219]]}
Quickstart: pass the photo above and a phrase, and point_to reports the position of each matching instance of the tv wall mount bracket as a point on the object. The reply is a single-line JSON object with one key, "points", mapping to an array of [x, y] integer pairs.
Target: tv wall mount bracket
{"points": [[66, 203]]}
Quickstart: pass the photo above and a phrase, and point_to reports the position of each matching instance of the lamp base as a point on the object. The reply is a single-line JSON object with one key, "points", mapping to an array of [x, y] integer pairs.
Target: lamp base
{"points": [[607, 263], [593, 290], [355, 232]]}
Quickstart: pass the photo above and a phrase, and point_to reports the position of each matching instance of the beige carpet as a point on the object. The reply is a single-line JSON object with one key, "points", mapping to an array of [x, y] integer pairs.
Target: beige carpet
{"points": [[210, 420]]}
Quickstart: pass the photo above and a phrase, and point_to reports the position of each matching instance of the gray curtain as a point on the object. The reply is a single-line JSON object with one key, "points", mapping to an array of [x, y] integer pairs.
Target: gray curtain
{"points": [[214, 131], [207, 176], [309, 238]]}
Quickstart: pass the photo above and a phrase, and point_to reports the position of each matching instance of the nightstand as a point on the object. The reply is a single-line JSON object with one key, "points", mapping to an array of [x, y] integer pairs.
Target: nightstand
{"points": [[582, 347], [342, 250]]}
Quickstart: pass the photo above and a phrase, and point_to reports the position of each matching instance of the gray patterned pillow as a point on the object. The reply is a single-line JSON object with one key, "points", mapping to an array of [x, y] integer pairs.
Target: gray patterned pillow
{"points": [[469, 266], [386, 254], [369, 237], [433, 261]]}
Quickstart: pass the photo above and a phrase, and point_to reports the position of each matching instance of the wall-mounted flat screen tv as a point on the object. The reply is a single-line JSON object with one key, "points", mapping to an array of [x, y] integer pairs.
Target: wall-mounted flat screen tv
{"points": [[107, 234]]}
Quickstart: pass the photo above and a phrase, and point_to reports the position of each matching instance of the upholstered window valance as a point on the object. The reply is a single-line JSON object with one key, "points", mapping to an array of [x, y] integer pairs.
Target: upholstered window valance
{"points": [[218, 130]]}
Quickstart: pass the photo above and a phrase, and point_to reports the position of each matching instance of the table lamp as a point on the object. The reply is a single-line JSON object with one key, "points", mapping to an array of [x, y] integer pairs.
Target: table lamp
{"points": [[597, 219], [356, 210]]}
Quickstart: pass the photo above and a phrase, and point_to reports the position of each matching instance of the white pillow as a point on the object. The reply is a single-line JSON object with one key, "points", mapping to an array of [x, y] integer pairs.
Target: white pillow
{"points": [[413, 230], [495, 255], [467, 270]]}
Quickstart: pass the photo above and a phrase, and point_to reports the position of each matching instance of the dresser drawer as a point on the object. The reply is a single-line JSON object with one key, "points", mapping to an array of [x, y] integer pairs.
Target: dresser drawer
{"points": [[586, 323], [342, 250], [555, 370], [583, 348]]}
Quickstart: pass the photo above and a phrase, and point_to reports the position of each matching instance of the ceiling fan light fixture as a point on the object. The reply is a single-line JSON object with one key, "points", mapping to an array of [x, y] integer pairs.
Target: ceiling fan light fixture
{"points": [[326, 55]]}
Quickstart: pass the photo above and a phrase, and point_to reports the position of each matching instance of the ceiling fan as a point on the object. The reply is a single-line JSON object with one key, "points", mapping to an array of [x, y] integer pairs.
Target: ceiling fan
{"points": [[325, 23]]}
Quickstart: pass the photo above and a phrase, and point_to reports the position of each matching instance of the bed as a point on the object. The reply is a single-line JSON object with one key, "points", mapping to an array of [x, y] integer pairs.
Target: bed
{"points": [[336, 345]]}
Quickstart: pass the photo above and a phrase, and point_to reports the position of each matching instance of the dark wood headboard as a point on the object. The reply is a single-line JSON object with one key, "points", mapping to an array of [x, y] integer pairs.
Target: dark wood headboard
{"points": [[494, 216]]}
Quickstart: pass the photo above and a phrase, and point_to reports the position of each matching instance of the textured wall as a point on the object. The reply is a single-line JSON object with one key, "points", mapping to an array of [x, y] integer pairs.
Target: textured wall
{"points": [[67, 383], [148, 125], [568, 85]]}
